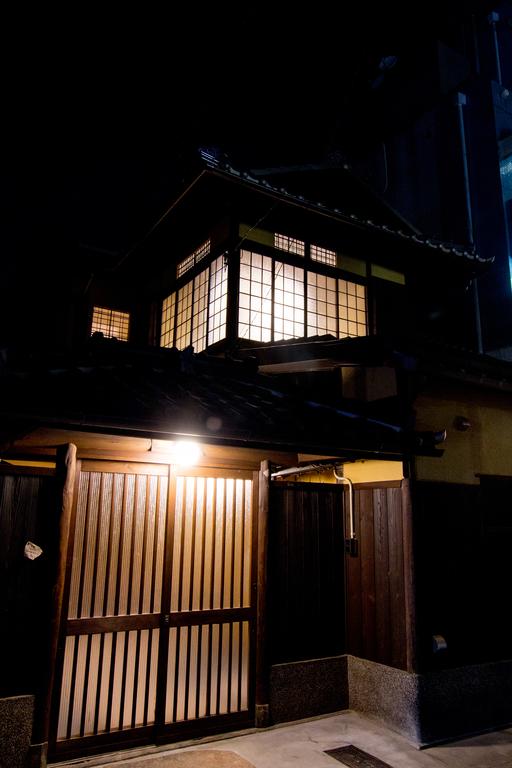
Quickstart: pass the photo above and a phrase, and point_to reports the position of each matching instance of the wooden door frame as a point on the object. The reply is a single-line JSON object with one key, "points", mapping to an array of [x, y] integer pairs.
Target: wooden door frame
{"points": [[159, 731]]}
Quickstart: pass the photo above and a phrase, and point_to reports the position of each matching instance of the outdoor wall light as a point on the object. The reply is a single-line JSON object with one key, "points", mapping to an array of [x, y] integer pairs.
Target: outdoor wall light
{"points": [[186, 453]]}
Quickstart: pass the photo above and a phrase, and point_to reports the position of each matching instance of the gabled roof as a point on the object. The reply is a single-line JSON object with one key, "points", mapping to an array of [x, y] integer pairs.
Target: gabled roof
{"points": [[346, 215], [218, 189], [112, 387]]}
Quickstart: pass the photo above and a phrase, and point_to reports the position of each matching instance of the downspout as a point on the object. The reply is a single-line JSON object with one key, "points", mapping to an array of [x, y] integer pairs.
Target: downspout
{"points": [[460, 101], [351, 543], [493, 18]]}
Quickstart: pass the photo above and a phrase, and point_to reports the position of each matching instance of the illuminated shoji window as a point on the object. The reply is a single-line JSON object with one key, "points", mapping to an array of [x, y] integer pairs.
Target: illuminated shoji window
{"points": [[110, 322], [322, 305], [197, 313], [167, 327], [194, 258], [288, 301], [200, 311], [351, 309], [290, 244], [274, 303], [324, 255], [217, 301], [255, 297], [184, 316]]}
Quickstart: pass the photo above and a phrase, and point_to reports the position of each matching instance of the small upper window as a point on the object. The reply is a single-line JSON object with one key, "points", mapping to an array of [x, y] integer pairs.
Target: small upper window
{"points": [[111, 323], [324, 255], [194, 258], [290, 244]]}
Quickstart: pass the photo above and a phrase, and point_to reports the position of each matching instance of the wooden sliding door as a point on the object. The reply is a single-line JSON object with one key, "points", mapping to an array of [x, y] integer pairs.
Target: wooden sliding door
{"points": [[158, 641]]}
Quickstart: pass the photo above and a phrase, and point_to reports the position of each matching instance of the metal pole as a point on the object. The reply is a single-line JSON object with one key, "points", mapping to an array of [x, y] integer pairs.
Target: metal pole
{"points": [[460, 102]]}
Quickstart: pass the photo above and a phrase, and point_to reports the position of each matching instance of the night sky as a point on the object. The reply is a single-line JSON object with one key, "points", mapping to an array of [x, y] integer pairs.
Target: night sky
{"points": [[94, 156], [263, 85]]}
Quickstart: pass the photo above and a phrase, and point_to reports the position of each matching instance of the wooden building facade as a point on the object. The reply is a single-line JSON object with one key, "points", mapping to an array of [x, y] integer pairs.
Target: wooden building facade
{"points": [[288, 572]]}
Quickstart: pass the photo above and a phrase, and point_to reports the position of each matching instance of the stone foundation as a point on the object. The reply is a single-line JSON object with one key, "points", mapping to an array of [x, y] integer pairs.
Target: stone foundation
{"points": [[384, 692], [308, 688], [425, 708], [16, 713]]}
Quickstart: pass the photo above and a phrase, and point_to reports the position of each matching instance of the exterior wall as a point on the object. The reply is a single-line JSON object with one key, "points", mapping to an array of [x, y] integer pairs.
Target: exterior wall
{"points": [[308, 688], [436, 706], [425, 708], [364, 471], [16, 714], [485, 447], [373, 471]]}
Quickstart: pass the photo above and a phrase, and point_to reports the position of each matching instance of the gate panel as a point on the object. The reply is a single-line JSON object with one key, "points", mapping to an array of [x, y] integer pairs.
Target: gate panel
{"points": [[209, 646], [109, 668], [158, 637]]}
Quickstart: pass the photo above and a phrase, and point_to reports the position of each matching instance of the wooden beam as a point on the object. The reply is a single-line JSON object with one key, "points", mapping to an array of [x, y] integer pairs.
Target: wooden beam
{"points": [[65, 476], [409, 578], [262, 662]]}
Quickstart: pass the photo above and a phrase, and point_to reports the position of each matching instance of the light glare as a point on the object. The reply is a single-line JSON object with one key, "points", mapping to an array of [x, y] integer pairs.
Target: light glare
{"points": [[187, 453]]}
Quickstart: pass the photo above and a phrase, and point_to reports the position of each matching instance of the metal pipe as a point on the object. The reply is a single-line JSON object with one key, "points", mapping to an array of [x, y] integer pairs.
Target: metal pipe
{"points": [[460, 102], [301, 470], [350, 502], [493, 18]]}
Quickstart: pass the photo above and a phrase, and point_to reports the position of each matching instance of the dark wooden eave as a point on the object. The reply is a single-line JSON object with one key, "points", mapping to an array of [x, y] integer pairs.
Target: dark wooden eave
{"points": [[114, 388]]}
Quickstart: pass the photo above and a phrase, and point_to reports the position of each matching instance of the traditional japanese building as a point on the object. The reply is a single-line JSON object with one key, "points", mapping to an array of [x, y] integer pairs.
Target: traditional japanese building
{"points": [[315, 548]]}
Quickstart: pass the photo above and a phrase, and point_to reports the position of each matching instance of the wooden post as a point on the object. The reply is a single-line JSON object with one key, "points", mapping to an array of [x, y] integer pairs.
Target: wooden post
{"points": [[262, 665], [65, 477], [409, 580]]}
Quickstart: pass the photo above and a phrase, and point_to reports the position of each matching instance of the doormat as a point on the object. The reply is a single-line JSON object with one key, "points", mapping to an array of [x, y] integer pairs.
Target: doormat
{"points": [[353, 757], [194, 758]]}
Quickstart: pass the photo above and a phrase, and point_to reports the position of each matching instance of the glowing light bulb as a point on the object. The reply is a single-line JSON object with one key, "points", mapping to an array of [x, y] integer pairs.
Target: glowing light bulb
{"points": [[187, 453]]}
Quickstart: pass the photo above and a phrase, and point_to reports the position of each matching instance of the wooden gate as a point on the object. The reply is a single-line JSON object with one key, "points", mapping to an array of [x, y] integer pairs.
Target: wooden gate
{"points": [[158, 640]]}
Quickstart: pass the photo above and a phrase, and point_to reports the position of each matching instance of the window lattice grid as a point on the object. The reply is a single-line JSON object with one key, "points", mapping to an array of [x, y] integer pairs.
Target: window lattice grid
{"points": [[167, 326], [352, 309], [322, 305], [193, 258], [184, 316], [185, 265], [324, 255], [289, 244], [255, 297], [200, 311], [288, 301], [111, 323], [202, 251], [217, 301]]}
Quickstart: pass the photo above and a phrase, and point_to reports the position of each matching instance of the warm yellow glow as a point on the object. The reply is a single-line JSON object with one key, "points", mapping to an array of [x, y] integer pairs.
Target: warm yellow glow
{"points": [[372, 471], [110, 322], [24, 463], [186, 453]]}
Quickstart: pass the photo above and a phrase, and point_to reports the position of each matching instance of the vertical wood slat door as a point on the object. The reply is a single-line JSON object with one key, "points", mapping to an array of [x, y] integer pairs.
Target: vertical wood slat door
{"points": [[211, 617], [159, 612]]}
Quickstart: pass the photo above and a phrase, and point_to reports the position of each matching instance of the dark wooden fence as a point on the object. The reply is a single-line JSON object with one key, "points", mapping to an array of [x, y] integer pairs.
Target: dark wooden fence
{"points": [[306, 571], [324, 602], [377, 580], [26, 504]]}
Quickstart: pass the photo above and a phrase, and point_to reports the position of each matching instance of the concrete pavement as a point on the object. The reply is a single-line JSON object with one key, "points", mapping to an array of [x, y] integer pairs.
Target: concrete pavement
{"points": [[304, 744]]}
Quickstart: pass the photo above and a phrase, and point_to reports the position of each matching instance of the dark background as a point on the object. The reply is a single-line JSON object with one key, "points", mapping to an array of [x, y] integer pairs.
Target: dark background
{"points": [[104, 114]]}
